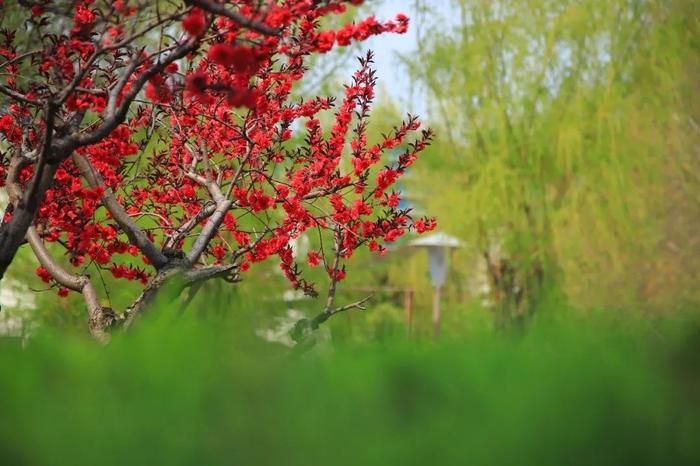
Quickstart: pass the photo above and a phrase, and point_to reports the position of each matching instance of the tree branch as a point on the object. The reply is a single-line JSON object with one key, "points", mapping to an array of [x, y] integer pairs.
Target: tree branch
{"points": [[189, 225], [135, 234], [304, 328], [115, 119], [209, 230], [17, 96], [223, 204], [333, 271], [12, 233], [98, 321], [179, 278], [221, 10], [325, 315], [31, 194]]}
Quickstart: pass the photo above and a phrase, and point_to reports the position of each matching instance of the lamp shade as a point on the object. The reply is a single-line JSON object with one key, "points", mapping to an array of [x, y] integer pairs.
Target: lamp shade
{"points": [[437, 245]]}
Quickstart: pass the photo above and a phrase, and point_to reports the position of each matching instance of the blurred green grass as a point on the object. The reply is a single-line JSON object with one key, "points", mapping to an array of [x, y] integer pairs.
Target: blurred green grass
{"points": [[591, 391]]}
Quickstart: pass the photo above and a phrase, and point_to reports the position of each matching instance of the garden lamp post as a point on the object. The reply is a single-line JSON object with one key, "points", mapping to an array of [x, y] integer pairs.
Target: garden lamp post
{"points": [[438, 246]]}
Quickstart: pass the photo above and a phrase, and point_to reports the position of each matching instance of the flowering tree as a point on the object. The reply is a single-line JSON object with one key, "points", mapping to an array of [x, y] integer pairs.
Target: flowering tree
{"points": [[168, 131]]}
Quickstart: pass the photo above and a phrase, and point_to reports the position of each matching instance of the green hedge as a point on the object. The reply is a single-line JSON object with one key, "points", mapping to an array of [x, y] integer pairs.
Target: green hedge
{"points": [[588, 394]]}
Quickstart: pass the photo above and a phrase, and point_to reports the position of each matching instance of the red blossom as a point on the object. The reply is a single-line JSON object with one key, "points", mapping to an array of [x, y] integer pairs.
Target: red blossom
{"points": [[241, 58], [424, 225], [43, 274], [195, 22], [210, 147], [197, 83], [325, 41], [313, 258]]}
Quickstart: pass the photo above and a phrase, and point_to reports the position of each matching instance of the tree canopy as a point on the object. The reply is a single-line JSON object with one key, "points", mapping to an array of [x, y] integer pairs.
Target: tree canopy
{"points": [[169, 132], [568, 144]]}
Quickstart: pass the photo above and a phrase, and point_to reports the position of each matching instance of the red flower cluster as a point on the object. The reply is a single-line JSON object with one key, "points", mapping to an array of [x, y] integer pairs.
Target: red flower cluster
{"points": [[208, 156], [83, 19], [241, 58], [361, 31], [195, 23]]}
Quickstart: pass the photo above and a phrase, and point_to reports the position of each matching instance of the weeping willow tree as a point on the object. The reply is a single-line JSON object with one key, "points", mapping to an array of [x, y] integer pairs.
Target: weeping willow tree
{"points": [[568, 146]]}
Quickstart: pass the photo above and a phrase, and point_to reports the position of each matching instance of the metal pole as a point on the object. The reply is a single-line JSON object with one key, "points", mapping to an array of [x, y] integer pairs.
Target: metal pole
{"points": [[408, 306], [436, 312]]}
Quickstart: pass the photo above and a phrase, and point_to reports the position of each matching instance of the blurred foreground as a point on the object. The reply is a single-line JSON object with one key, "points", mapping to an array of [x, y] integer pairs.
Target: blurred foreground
{"points": [[582, 390]]}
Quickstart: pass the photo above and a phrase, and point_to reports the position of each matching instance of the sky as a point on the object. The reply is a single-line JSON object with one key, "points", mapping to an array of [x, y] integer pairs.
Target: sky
{"points": [[392, 77]]}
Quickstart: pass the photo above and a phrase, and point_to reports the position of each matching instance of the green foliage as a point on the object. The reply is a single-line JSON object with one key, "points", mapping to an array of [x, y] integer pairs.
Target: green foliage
{"points": [[568, 135], [583, 391]]}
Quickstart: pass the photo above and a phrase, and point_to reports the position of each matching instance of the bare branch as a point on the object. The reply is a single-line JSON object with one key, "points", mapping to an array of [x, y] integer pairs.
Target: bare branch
{"points": [[304, 327], [221, 10], [223, 205], [32, 192], [179, 279], [17, 96], [325, 315], [114, 93], [334, 269], [189, 225], [19, 58], [209, 230], [207, 273]]}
